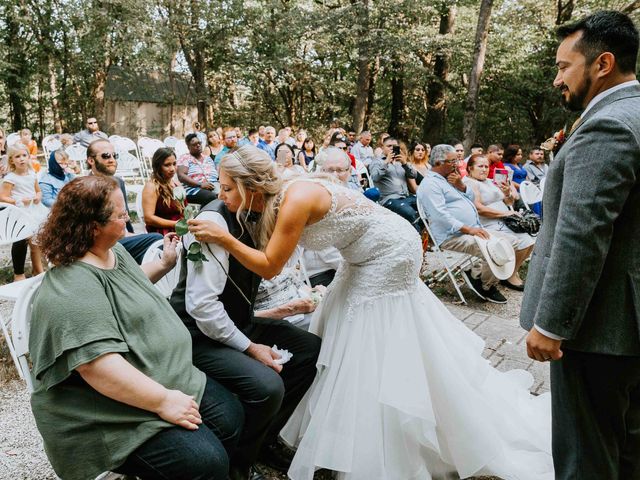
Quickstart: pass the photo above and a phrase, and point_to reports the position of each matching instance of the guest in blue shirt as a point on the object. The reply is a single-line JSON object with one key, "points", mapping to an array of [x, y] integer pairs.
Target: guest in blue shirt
{"points": [[453, 218], [512, 159], [56, 178]]}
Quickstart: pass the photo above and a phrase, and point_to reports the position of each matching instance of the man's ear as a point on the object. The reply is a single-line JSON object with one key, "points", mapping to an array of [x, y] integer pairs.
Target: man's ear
{"points": [[90, 161], [605, 64]]}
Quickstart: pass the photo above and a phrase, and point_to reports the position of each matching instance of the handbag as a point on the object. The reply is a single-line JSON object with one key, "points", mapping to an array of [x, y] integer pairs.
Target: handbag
{"points": [[525, 222]]}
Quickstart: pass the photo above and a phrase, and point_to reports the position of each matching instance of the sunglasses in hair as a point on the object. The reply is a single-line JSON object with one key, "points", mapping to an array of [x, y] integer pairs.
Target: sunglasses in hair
{"points": [[108, 155]]}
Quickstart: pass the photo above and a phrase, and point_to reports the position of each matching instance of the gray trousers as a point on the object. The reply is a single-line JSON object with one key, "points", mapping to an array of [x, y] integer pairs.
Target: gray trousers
{"points": [[467, 244], [595, 402]]}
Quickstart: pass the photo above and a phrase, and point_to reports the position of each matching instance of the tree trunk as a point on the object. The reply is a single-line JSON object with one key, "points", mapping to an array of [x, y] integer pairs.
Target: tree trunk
{"points": [[371, 95], [479, 52], [630, 8], [397, 99], [100, 78], [564, 12], [53, 89], [434, 122], [362, 83]]}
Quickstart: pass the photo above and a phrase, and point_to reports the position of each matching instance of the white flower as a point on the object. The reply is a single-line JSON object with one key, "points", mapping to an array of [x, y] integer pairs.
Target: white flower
{"points": [[179, 193]]}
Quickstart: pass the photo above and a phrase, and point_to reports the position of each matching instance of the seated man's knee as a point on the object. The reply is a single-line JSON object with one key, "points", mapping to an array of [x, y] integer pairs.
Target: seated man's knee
{"points": [[212, 463]]}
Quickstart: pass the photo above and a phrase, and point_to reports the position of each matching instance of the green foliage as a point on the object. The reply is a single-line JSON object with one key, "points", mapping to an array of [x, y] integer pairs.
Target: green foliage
{"points": [[286, 62]]}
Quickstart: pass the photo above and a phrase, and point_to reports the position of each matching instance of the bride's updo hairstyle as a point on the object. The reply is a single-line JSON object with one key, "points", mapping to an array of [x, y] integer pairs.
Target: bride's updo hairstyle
{"points": [[252, 169]]}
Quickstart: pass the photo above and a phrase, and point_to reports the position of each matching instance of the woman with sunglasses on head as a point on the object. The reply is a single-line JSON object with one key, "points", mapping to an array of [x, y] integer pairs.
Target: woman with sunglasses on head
{"points": [[402, 390], [115, 386]]}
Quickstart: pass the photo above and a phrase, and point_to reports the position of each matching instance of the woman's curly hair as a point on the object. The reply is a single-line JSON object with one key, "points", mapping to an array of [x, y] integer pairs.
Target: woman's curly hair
{"points": [[81, 206]]}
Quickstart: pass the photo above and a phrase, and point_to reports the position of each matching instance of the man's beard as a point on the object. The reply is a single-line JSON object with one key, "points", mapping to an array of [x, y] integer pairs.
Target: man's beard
{"points": [[575, 101], [103, 169]]}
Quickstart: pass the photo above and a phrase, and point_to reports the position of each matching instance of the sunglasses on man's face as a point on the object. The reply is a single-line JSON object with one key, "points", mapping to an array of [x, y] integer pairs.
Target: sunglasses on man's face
{"points": [[108, 155]]}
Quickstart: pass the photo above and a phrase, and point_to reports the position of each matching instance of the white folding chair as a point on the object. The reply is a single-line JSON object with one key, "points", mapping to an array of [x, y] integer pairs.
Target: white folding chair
{"points": [[453, 263], [139, 210], [147, 147], [530, 193], [361, 169], [167, 283], [171, 141], [12, 138], [181, 148], [20, 322], [78, 153], [50, 143]]}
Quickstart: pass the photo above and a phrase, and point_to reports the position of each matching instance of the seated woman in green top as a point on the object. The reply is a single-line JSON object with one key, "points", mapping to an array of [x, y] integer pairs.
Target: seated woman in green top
{"points": [[115, 388]]}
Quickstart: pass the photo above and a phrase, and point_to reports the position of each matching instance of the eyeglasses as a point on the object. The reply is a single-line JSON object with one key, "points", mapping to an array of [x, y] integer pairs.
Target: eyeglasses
{"points": [[123, 216], [452, 162], [92, 123], [108, 155], [336, 170]]}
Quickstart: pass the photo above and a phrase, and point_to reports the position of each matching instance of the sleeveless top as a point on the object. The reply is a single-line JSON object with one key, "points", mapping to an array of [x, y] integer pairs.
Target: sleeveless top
{"points": [[172, 212], [381, 250]]}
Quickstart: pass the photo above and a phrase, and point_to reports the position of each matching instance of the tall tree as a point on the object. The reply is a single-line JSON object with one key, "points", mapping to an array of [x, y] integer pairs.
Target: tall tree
{"points": [[364, 60], [479, 53], [434, 122]]}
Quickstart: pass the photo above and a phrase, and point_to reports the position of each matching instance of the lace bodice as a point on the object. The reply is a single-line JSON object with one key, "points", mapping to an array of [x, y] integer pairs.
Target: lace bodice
{"points": [[382, 251]]}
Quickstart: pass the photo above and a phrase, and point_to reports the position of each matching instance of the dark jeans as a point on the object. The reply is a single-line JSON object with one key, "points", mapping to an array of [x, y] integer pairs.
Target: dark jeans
{"points": [[19, 256], [407, 208], [596, 416], [137, 245], [202, 197], [268, 398], [177, 453]]}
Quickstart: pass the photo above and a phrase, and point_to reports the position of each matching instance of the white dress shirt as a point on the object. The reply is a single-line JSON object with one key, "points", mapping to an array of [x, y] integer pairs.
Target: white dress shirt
{"points": [[205, 282]]}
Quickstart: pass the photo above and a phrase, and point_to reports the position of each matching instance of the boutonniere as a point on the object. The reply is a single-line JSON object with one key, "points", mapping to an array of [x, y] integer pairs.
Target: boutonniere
{"points": [[182, 228], [554, 143]]}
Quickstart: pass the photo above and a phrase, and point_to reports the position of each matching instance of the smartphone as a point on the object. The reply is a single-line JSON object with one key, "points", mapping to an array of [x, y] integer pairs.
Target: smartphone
{"points": [[281, 158], [396, 150], [501, 176]]}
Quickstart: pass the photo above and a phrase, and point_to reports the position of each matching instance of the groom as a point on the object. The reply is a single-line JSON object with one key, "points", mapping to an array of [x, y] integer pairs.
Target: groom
{"points": [[582, 297]]}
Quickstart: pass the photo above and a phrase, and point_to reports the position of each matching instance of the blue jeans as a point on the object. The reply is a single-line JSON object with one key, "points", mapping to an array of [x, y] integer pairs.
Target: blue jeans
{"points": [[177, 453], [407, 208], [137, 245]]}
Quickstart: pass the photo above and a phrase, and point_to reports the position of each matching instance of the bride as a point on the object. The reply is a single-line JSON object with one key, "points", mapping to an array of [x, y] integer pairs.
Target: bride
{"points": [[402, 391]]}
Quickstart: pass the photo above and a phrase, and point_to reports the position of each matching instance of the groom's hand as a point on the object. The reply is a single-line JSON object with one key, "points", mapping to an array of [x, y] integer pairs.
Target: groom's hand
{"points": [[542, 348], [264, 355]]}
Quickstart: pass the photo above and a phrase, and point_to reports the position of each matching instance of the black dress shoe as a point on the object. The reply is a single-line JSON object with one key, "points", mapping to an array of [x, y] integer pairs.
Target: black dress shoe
{"points": [[251, 473], [508, 284], [476, 286], [276, 456]]}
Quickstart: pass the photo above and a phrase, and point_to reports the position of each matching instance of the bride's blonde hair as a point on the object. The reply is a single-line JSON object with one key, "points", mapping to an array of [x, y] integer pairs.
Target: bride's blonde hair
{"points": [[252, 169]]}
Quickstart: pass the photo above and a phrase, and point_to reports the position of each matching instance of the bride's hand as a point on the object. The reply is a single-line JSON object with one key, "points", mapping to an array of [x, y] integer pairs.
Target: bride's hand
{"points": [[207, 231]]}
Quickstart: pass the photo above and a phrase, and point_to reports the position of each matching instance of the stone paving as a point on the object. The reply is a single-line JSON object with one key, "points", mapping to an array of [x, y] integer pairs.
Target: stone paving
{"points": [[504, 343]]}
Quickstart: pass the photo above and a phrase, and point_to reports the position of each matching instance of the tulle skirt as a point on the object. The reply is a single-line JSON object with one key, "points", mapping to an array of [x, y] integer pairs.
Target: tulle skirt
{"points": [[402, 392]]}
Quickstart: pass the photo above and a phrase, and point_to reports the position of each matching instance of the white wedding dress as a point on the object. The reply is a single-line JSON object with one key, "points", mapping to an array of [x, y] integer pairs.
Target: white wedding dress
{"points": [[402, 391]]}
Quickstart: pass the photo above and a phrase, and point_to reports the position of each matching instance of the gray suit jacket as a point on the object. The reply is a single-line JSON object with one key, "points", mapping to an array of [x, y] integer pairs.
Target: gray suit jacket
{"points": [[584, 278]]}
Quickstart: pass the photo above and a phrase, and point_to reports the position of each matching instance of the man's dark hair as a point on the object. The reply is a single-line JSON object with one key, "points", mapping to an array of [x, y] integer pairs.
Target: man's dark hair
{"points": [[190, 137], [606, 31], [473, 145], [252, 131], [455, 141], [535, 149]]}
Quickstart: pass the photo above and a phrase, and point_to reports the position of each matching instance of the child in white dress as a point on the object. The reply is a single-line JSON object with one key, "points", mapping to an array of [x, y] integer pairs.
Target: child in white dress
{"points": [[20, 188]]}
